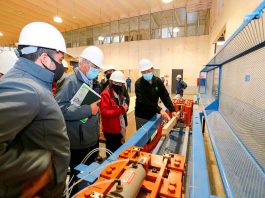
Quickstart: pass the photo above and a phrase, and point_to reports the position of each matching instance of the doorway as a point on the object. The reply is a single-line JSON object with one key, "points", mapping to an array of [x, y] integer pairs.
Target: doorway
{"points": [[175, 72]]}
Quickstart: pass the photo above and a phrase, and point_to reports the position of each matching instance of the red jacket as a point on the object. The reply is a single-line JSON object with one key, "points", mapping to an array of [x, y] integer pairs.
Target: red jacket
{"points": [[110, 112]]}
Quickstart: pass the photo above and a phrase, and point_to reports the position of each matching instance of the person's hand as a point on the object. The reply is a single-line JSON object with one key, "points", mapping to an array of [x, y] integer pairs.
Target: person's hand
{"points": [[125, 106], [33, 187], [94, 107], [164, 115], [176, 114]]}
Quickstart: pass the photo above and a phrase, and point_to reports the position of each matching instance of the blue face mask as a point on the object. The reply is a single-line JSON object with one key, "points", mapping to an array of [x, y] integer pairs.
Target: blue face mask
{"points": [[92, 73], [148, 76]]}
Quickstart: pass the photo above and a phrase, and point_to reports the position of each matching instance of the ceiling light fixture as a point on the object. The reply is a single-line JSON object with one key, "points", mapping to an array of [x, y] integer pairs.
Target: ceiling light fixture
{"points": [[175, 29], [57, 19], [166, 1], [1, 34], [221, 41]]}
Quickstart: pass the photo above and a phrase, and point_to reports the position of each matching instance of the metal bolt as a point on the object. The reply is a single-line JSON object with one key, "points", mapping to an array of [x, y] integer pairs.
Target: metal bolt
{"points": [[119, 188], [171, 189], [177, 164], [109, 171], [172, 182]]}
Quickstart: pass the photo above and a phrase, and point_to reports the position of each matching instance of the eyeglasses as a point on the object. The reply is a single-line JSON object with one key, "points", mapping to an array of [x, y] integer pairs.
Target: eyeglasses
{"points": [[94, 66]]}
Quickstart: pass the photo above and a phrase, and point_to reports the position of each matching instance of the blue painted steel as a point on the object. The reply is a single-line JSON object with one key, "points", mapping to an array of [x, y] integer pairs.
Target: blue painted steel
{"points": [[208, 68], [213, 106], [219, 84], [257, 12], [226, 184], [200, 187], [140, 138]]}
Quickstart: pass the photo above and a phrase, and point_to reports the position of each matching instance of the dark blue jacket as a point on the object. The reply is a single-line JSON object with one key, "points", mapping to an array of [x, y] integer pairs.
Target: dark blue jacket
{"points": [[32, 130], [180, 86]]}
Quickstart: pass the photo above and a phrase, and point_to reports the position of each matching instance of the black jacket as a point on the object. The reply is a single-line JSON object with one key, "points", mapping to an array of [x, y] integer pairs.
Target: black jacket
{"points": [[147, 96]]}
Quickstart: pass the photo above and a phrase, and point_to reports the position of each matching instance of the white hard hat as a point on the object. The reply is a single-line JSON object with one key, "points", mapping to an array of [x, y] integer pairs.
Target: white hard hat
{"points": [[42, 34], [7, 61], [94, 55], [109, 67], [118, 76], [65, 64], [145, 64], [179, 76]]}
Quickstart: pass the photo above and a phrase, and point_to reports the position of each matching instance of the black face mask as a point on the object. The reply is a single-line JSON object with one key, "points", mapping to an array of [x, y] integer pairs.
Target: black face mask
{"points": [[59, 70], [108, 76], [118, 89]]}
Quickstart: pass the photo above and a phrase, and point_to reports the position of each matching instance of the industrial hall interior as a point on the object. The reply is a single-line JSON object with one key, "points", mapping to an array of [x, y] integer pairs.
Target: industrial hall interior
{"points": [[132, 98]]}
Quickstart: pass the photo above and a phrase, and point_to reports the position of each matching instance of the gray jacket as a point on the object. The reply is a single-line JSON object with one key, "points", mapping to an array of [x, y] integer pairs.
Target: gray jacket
{"points": [[81, 135], [32, 130]]}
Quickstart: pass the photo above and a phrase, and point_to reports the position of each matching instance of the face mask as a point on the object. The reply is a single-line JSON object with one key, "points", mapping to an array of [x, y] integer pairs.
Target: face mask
{"points": [[92, 73], [59, 70], [108, 76], [118, 89], [148, 76]]}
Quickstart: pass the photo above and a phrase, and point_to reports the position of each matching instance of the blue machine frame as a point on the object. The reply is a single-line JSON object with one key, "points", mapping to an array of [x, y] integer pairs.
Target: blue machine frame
{"points": [[140, 138]]}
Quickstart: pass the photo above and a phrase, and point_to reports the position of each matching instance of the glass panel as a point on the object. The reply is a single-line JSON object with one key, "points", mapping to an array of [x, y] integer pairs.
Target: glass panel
{"points": [[156, 25], [180, 17], [86, 36], [124, 29], [116, 39], [114, 32], [144, 25], [105, 31], [165, 24], [192, 17], [75, 38], [96, 34], [133, 28], [191, 30], [114, 27], [68, 39]]}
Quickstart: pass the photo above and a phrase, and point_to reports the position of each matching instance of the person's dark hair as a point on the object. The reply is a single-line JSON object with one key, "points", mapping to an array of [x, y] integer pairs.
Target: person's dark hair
{"points": [[34, 56]]}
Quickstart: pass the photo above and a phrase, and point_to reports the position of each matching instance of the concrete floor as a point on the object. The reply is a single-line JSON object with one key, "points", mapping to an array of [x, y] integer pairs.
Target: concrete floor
{"points": [[216, 184]]}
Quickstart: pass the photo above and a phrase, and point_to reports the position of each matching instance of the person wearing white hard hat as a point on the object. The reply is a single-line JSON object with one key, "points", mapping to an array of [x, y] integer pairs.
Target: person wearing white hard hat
{"points": [[81, 121], [148, 90], [112, 108], [108, 70], [180, 85], [34, 145], [7, 61]]}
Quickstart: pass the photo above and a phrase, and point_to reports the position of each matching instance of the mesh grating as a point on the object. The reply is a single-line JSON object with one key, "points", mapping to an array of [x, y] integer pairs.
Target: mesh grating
{"points": [[244, 177], [252, 35], [209, 83], [242, 101], [238, 128]]}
